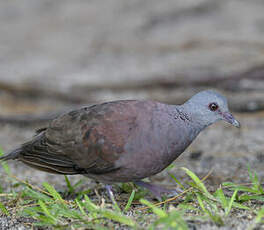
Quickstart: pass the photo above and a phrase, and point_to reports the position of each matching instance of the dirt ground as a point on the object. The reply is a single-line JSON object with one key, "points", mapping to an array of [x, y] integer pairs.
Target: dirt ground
{"points": [[58, 55]]}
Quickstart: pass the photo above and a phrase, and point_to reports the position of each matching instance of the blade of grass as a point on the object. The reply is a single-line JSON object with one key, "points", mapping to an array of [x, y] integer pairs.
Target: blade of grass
{"points": [[4, 164], [47, 213], [187, 207], [231, 202], [53, 192], [69, 186], [241, 188], [116, 216], [33, 194], [255, 181], [176, 180], [78, 183], [258, 219], [214, 217], [158, 211], [3, 209], [130, 200], [199, 199], [80, 207], [198, 182], [91, 207], [174, 220], [221, 196], [30, 185], [246, 197], [260, 216]]}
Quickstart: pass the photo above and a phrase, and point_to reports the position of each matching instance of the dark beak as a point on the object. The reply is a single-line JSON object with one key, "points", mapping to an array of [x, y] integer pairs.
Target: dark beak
{"points": [[230, 119]]}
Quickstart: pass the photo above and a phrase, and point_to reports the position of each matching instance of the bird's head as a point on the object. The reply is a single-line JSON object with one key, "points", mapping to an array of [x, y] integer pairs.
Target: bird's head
{"points": [[209, 106]]}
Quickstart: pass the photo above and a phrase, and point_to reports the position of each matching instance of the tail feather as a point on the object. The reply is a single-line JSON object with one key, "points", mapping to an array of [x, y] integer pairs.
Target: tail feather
{"points": [[11, 155], [38, 154]]}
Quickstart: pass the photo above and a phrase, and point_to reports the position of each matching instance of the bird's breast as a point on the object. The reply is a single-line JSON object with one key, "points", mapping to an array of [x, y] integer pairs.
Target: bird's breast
{"points": [[152, 148]]}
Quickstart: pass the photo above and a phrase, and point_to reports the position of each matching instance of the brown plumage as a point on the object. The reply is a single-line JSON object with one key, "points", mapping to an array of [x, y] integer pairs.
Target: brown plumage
{"points": [[84, 141]]}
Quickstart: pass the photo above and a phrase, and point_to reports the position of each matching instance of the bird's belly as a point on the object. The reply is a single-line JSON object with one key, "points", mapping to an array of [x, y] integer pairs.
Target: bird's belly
{"points": [[137, 166], [127, 174]]}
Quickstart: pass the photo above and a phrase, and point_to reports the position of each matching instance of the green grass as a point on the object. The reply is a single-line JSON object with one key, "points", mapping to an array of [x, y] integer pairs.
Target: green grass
{"points": [[50, 208]]}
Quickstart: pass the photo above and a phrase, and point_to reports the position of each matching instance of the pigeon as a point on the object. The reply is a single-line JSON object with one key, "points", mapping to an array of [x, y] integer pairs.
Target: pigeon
{"points": [[122, 141]]}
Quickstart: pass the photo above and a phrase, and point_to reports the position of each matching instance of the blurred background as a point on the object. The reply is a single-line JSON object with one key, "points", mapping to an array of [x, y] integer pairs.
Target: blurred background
{"points": [[58, 55]]}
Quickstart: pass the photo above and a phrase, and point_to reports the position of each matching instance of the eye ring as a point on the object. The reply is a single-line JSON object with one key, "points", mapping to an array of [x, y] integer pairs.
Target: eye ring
{"points": [[213, 106]]}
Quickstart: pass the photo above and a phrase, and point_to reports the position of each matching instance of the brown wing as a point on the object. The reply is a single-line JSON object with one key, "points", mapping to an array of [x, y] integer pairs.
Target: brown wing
{"points": [[88, 140]]}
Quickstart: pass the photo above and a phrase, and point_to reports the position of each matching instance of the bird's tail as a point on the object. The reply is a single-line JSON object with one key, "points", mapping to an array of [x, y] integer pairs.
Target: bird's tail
{"points": [[11, 155]]}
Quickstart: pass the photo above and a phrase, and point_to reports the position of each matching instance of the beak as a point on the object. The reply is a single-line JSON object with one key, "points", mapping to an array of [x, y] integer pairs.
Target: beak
{"points": [[230, 119]]}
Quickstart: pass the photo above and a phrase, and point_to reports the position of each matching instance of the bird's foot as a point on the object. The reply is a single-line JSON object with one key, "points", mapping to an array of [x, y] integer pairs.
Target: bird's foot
{"points": [[111, 196], [159, 191], [110, 193]]}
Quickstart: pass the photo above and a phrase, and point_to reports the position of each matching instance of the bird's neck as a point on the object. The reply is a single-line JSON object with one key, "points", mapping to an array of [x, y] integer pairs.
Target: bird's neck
{"points": [[182, 131], [195, 122]]}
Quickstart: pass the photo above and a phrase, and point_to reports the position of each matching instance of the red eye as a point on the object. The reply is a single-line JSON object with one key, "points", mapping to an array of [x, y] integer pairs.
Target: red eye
{"points": [[213, 106]]}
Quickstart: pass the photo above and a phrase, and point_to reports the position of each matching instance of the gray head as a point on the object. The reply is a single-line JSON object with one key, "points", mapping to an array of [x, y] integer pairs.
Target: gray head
{"points": [[208, 107]]}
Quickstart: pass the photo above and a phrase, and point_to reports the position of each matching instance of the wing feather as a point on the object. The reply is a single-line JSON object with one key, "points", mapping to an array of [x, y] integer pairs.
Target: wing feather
{"points": [[88, 140]]}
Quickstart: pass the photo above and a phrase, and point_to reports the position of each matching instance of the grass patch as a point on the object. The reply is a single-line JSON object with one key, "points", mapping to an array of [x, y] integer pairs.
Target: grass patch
{"points": [[50, 208]]}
